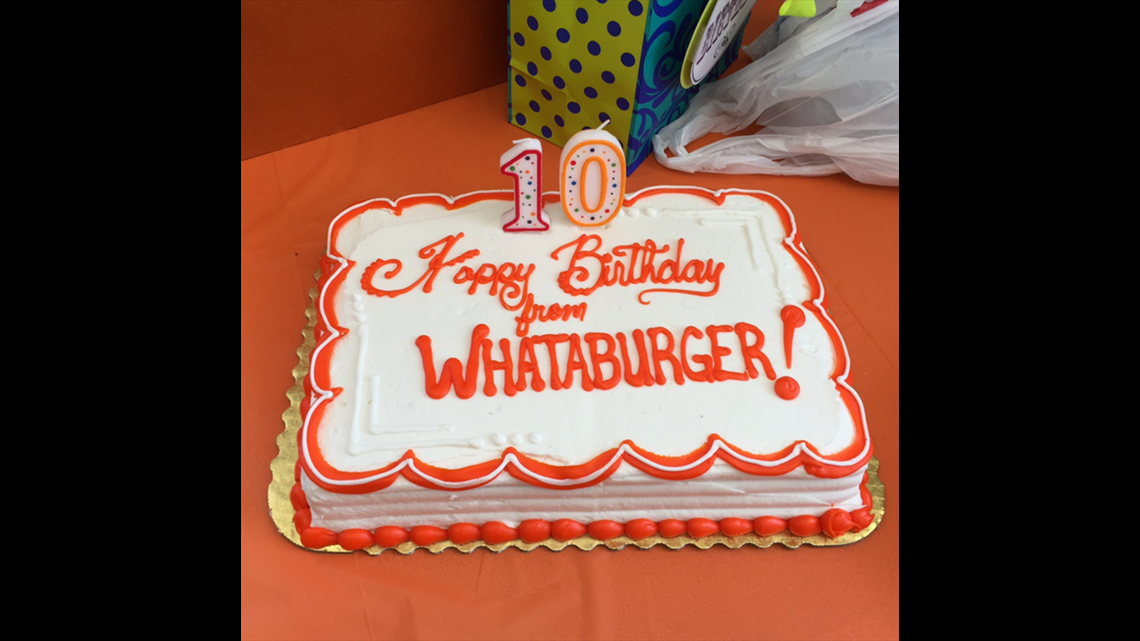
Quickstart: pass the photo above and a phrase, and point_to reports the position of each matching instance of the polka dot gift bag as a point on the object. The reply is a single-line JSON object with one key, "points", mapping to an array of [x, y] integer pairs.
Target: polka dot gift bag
{"points": [[575, 64]]}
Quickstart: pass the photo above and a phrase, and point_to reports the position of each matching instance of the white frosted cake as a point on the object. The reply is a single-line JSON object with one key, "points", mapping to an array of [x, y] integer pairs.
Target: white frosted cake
{"points": [[673, 374]]}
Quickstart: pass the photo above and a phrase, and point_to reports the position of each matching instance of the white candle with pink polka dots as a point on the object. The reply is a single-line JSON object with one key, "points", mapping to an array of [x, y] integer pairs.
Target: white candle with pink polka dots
{"points": [[592, 177], [524, 163]]}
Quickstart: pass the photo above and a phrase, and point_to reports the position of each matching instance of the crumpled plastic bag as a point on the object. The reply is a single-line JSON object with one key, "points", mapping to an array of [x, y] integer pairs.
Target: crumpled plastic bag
{"points": [[825, 89]]}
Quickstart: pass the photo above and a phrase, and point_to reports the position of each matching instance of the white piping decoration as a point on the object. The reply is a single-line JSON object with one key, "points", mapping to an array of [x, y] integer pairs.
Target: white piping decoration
{"points": [[354, 441], [752, 230], [374, 408]]}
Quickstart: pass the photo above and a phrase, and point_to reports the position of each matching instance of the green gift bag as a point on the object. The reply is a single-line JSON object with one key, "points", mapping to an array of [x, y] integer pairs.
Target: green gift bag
{"points": [[576, 64]]}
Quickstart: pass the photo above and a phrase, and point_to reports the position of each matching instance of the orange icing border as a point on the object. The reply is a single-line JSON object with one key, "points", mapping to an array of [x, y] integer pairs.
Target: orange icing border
{"points": [[424, 474]]}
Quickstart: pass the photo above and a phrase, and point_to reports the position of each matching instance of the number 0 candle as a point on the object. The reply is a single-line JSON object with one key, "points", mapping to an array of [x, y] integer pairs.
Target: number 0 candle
{"points": [[524, 162], [592, 177]]}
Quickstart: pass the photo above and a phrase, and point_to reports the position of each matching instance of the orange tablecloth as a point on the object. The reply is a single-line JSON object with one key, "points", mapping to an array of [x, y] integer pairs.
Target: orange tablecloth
{"points": [[288, 198]]}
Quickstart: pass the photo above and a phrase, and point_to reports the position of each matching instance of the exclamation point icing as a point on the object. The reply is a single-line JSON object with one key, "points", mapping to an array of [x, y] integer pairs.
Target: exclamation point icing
{"points": [[786, 387], [793, 317]]}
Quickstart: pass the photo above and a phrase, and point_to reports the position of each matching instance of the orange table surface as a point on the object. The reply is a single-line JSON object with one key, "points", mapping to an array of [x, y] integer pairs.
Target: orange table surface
{"points": [[288, 197]]}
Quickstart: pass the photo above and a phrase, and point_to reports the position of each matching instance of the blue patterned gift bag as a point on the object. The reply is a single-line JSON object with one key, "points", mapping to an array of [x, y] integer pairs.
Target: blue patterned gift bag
{"points": [[576, 64]]}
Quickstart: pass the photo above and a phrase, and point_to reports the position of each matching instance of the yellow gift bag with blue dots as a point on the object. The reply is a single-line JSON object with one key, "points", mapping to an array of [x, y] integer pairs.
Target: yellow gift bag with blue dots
{"points": [[577, 64]]}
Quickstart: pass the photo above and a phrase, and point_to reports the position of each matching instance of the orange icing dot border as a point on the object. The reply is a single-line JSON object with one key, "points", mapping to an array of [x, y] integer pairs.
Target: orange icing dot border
{"points": [[832, 524]]}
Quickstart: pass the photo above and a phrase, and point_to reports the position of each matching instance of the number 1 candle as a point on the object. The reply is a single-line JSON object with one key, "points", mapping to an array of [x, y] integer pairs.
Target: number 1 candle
{"points": [[592, 177], [524, 162]]}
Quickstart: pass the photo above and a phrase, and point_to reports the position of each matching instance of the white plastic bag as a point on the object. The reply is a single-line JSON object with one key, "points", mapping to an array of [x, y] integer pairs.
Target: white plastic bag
{"points": [[826, 90]]}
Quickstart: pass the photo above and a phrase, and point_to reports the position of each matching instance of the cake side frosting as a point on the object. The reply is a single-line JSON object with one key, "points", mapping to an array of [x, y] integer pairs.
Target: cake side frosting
{"points": [[628, 494]]}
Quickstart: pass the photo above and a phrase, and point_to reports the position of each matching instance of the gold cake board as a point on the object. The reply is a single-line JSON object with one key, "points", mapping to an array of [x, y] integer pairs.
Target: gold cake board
{"points": [[283, 466]]}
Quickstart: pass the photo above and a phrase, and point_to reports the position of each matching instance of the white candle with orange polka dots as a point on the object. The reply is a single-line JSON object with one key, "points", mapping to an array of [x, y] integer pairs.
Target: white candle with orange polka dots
{"points": [[524, 163], [592, 176]]}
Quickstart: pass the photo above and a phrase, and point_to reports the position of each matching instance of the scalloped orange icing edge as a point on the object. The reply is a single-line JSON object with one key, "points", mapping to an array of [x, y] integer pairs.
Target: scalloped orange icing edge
{"points": [[511, 461]]}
